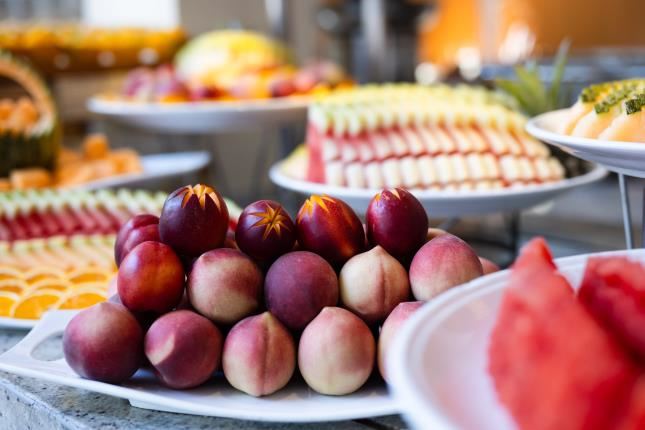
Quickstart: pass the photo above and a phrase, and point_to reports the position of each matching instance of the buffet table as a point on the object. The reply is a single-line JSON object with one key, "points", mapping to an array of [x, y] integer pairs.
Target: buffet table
{"points": [[39, 404]]}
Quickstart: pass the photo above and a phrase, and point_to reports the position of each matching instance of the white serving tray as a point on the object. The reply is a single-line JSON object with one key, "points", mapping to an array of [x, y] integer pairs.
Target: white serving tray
{"points": [[437, 367], [621, 157], [155, 167], [202, 117], [446, 203], [295, 403]]}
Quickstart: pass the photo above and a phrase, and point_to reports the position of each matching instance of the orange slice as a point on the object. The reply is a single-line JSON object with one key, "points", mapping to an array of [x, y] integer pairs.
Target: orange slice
{"points": [[33, 305], [9, 272], [50, 284], [13, 285], [7, 301], [38, 274], [82, 298], [89, 274]]}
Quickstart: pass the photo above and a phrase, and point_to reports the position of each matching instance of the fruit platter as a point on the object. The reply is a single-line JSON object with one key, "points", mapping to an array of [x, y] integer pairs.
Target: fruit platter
{"points": [[460, 150], [284, 319], [489, 341], [604, 126], [220, 81]]}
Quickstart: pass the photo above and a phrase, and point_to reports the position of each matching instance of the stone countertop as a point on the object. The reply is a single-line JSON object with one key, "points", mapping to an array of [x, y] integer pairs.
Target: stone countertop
{"points": [[27, 403]]}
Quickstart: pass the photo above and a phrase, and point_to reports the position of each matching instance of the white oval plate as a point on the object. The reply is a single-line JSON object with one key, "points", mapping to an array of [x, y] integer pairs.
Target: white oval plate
{"points": [[156, 166], [446, 203], [621, 157], [437, 367], [202, 117], [295, 403]]}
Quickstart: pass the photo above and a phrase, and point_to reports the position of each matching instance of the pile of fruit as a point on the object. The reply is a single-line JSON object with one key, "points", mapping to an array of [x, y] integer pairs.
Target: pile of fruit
{"points": [[611, 111], [436, 138], [72, 168], [324, 294], [562, 359], [231, 65]]}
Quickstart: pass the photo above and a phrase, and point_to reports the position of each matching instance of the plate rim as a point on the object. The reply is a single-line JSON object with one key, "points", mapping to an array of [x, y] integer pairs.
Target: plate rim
{"points": [[279, 178], [102, 106], [431, 314], [535, 127]]}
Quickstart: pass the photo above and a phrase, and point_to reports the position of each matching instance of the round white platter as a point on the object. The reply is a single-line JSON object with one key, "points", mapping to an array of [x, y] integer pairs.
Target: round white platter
{"points": [[438, 365], [295, 403], [621, 157], [202, 117], [446, 203], [156, 166]]}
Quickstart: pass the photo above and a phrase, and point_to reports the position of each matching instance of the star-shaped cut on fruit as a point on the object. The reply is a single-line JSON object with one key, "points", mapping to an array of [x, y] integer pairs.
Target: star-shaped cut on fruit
{"points": [[201, 191], [272, 219], [312, 201]]}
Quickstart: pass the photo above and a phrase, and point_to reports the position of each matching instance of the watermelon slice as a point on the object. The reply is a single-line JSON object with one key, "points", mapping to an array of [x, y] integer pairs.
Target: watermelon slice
{"points": [[552, 365], [613, 290]]}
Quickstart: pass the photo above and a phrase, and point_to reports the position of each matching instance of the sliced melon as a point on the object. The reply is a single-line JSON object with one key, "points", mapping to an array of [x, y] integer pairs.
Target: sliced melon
{"points": [[38, 146]]}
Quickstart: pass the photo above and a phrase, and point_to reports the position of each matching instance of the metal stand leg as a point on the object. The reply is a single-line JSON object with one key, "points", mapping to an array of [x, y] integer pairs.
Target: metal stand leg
{"points": [[627, 216]]}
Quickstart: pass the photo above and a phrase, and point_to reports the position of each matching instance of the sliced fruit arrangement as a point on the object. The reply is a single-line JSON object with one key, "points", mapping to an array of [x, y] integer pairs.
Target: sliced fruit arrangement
{"points": [[610, 111], [545, 334], [437, 138], [231, 65], [29, 131], [45, 213], [309, 292]]}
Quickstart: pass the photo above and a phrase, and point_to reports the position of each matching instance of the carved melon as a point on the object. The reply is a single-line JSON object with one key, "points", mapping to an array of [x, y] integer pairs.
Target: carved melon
{"points": [[37, 145]]}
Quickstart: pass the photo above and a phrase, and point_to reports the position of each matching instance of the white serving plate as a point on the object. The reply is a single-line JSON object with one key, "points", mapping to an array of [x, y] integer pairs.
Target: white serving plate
{"points": [[446, 203], [202, 117], [437, 368], [295, 403], [157, 166], [17, 323], [621, 157]]}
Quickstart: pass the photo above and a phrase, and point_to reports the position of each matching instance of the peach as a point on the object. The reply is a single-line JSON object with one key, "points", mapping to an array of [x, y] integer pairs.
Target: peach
{"points": [[138, 229], [336, 352], [389, 331], [329, 227], [145, 319], [104, 343], [151, 278], [372, 284], [265, 231], [434, 232], [225, 285], [194, 219], [488, 266], [397, 221], [184, 349], [444, 262], [298, 285], [259, 355]]}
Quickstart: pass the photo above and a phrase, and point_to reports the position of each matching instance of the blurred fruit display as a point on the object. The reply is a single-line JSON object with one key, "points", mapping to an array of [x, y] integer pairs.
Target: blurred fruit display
{"points": [[70, 47], [436, 138], [311, 295], [230, 65]]}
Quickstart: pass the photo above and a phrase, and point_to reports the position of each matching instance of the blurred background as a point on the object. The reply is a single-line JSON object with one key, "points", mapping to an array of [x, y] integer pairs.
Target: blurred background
{"points": [[83, 47]]}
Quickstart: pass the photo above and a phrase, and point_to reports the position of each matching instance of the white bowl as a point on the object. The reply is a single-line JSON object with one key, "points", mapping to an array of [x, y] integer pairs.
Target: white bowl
{"points": [[438, 365]]}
